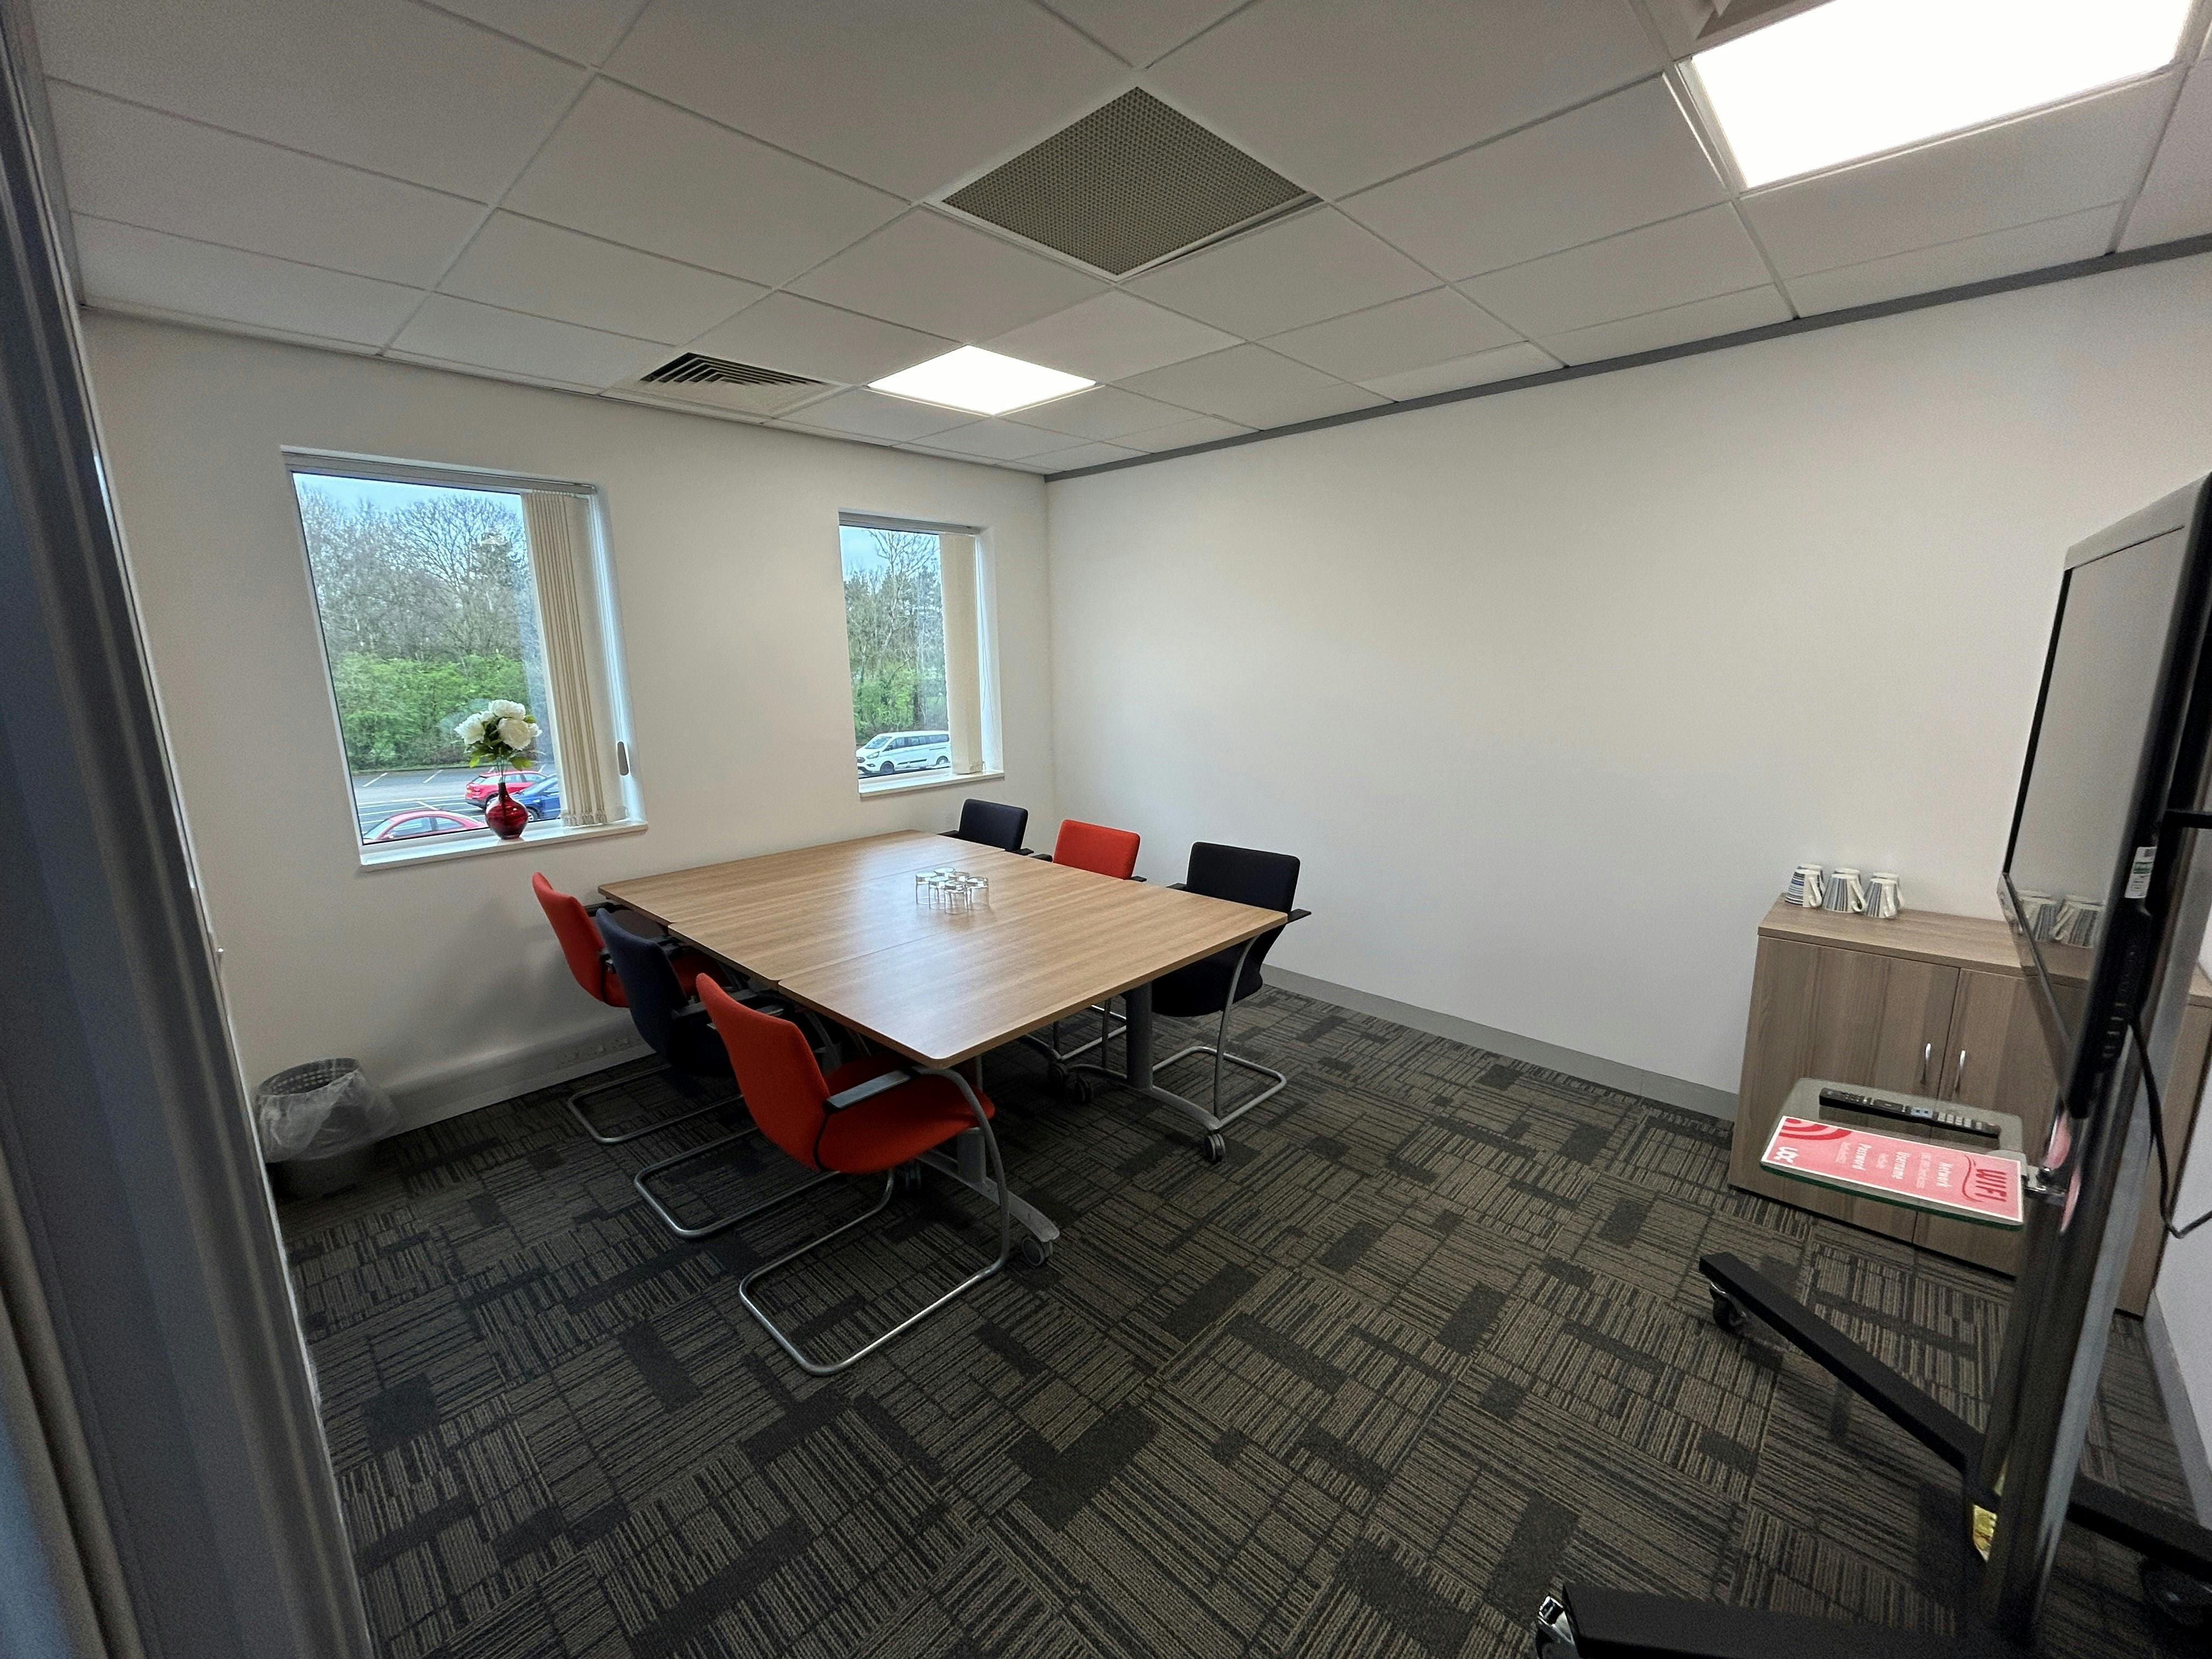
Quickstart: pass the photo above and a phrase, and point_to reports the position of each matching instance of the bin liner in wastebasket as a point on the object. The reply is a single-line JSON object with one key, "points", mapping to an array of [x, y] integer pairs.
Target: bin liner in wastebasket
{"points": [[320, 1110]]}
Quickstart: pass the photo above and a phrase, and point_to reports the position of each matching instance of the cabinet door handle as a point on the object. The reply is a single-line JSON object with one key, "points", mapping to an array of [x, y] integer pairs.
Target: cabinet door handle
{"points": [[1958, 1077], [1927, 1054]]}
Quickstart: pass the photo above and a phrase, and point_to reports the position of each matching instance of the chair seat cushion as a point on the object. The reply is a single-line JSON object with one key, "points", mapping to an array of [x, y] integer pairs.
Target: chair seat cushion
{"points": [[897, 1126]]}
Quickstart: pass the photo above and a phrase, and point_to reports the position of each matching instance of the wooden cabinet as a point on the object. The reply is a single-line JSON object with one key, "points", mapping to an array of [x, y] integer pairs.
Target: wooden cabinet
{"points": [[1928, 1004]]}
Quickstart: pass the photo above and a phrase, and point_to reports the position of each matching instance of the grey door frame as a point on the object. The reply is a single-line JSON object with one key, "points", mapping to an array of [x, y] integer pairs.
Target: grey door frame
{"points": [[166, 1362]]}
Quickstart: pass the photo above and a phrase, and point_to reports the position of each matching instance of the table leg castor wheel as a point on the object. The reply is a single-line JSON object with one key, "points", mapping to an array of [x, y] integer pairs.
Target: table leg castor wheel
{"points": [[1728, 1312], [1032, 1252], [1078, 1089], [2178, 1598], [1216, 1148]]}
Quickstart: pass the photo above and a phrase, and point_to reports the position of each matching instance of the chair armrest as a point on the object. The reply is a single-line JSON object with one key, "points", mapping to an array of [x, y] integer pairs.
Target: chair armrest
{"points": [[1135, 877], [1297, 916], [1178, 887], [868, 1091], [592, 907], [1042, 857]]}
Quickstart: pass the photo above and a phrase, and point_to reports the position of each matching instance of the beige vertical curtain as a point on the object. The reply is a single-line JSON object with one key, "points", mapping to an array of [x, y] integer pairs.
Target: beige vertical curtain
{"points": [[963, 700], [561, 558]]}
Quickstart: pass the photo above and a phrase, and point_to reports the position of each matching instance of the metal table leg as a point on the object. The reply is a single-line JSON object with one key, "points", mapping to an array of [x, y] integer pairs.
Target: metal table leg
{"points": [[967, 1165], [1139, 1064]]}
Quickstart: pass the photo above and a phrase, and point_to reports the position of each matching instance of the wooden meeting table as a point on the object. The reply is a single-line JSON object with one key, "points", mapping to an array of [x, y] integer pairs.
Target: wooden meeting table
{"points": [[842, 929]]}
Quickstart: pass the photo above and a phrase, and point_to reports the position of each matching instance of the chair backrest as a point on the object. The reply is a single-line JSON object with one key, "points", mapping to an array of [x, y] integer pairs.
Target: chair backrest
{"points": [[580, 940], [777, 1071], [992, 824], [1244, 875], [649, 985], [1095, 848]]}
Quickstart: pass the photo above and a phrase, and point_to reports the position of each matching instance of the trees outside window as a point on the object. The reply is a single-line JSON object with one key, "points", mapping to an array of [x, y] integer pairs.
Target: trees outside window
{"points": [[894, 629]]}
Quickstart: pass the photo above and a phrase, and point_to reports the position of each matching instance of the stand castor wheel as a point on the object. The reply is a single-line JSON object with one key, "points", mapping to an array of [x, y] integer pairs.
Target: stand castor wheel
{"points": [[1555, 1631], [2181, 1601], [1216, 1147], [1728, 1312], [1032, 1252]]}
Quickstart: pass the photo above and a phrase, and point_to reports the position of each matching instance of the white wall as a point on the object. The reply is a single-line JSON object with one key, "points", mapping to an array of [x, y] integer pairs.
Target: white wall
{"points": [[1551, 690], [725, 548]]}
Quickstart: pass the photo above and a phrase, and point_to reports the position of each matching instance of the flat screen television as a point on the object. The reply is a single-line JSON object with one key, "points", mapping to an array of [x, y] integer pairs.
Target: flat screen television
{"points": [[2118, 745]]}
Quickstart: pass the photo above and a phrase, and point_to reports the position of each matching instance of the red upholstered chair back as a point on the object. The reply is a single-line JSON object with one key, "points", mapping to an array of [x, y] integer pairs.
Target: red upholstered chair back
{"points": [[580, 942], [777, 1072], [1095, 848]]}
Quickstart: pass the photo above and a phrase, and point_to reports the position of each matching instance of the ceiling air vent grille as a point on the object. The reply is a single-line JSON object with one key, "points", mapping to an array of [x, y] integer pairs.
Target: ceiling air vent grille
{"points": [[692, 369], [1127, 185]]}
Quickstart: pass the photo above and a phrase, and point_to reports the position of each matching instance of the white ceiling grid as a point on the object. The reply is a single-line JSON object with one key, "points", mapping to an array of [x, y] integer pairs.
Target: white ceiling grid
{"points": [[570, 192]]}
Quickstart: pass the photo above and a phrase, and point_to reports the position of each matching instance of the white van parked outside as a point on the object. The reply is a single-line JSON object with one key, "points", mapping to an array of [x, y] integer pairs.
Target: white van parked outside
{"points": [[903, 751]]}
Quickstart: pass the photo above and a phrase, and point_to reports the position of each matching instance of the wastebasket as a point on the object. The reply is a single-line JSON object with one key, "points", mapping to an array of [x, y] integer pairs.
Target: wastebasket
{"points": [[318, 1125]]}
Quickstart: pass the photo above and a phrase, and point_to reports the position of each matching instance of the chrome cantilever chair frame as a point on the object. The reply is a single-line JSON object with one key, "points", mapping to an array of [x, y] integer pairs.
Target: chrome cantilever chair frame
{"points": [[578, 1110], [643, 1179], [853, 1096]]}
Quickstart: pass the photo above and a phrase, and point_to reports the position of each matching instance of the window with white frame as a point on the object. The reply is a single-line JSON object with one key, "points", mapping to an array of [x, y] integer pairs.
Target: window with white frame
{"points": [[444, 594], [918, 640]]}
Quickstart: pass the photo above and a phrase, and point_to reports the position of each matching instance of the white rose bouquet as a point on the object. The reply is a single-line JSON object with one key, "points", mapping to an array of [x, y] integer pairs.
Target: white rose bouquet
{"points": [[499, 734]]}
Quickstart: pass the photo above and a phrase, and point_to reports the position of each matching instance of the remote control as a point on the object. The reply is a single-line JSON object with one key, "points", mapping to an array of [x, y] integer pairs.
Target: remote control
{"points": [[1918, 1112]]}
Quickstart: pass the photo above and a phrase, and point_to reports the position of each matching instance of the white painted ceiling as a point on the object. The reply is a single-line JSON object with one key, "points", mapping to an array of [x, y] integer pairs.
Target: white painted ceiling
{"points": [[570, 192]]}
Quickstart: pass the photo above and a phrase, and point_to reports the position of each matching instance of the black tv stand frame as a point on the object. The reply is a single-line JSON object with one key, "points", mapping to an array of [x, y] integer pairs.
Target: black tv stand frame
{"points": [[1594, 1623]]}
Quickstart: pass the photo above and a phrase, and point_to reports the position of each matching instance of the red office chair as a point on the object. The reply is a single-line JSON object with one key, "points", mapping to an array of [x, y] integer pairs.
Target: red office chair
{"points": [[587, 958], [1103, 851], [869, 1117]]}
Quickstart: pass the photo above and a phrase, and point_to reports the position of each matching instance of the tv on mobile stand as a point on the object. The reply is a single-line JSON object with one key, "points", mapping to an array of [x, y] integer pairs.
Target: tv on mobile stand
{"points": [[2107, 883]]}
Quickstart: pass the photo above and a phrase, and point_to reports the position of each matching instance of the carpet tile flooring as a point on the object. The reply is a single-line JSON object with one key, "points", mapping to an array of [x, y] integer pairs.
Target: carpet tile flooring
{"points": [[1432, 1339]]}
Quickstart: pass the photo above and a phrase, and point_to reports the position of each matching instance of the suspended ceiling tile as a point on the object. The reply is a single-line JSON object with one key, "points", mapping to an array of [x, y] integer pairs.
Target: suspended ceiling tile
{"points": [[1314, 265], [930, 273], [804, 337], [1701, 320], [1253, 385], [384, 84], [1402, 334], [1110, 336], [908, 97], [1142, 30], [2176, 199], [1000, 441], [462, 331], [1508, 363], [585, 30], [137, 166], [2040, 166], [1611, 166], [638, 172], [2083, 235], [1181, 435], [124, 266], [1067, 460], [1104, 411], [1340, 93], [1693, 257], [527, 266], [872, 415]]}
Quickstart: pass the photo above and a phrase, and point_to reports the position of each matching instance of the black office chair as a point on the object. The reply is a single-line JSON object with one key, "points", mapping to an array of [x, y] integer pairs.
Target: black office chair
{"points": [[990, 823], [1216, 984], [677, 1029]]}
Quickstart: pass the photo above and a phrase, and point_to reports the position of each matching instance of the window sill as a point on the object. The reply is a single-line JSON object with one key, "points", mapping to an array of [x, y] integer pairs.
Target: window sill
{"points": [[913, 780], [537, 835]]}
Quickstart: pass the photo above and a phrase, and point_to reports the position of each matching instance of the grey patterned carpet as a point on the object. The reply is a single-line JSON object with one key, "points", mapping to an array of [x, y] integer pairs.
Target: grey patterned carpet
{"points": [[1431, 1339]]}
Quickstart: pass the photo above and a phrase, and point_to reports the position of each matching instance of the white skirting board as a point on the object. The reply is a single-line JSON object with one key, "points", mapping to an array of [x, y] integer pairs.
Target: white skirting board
{"points": [[2180, 1411], [1591, 1068], [486, 1079]]}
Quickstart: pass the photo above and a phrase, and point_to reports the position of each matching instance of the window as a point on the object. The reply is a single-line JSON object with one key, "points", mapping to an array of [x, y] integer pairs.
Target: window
{"points": [[441, 593], [917, 638]]}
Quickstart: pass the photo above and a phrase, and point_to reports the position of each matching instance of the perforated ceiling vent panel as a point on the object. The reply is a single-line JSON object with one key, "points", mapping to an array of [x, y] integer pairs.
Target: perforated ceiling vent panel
{"points": [[1127, 185], [744, 388]]}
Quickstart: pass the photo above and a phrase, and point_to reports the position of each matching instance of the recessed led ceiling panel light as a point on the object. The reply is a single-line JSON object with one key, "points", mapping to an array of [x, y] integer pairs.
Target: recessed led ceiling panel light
{"points": [[979, 381], [1854, 78]]}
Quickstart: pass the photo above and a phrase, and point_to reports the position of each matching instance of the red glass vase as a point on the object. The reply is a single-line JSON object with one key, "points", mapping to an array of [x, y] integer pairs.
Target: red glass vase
{"points": [[504, 816]]}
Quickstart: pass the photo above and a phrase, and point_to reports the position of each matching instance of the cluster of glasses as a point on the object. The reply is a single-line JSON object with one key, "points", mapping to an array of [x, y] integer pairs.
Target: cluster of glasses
{"points": [[1844, 892], [949, 890]]}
